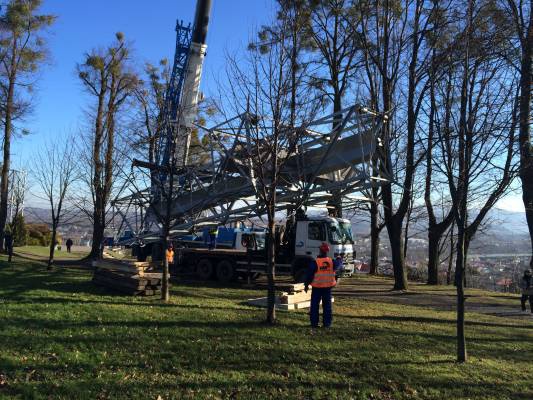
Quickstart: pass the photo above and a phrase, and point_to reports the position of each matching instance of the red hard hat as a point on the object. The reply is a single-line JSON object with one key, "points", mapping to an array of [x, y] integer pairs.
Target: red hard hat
{"points": [[324, 248]]}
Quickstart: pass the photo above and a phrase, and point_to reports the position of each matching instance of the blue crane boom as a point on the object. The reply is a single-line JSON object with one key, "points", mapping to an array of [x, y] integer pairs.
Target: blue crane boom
{"points": [[182, 95], [174, 89]]}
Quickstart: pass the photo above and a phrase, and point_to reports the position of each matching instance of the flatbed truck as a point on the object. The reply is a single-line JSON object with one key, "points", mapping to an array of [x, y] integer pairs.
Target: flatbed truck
{"points": [[297, 245]]}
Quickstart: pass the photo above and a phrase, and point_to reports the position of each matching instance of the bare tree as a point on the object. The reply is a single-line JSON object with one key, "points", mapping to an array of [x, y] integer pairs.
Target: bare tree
{"points": [[520, 14], [333, 28], [276, 116], [107, 76], [55, 169], [22, 51], [479, 148], [395, 55]]}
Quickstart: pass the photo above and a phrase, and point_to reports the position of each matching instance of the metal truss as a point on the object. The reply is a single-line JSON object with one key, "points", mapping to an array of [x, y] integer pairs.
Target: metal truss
{"points": [[175, 88], [318, 161]]}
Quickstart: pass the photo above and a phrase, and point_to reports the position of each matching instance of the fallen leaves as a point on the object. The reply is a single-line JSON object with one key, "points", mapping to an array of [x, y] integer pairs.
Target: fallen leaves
{"points": [[3, 381]]}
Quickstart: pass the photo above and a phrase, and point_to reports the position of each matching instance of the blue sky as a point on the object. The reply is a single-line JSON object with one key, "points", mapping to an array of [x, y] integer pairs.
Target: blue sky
{"points": [[86, 24]]}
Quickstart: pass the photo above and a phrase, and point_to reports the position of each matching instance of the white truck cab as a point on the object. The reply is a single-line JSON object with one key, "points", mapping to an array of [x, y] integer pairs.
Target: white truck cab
{"points": [[337, 232]]}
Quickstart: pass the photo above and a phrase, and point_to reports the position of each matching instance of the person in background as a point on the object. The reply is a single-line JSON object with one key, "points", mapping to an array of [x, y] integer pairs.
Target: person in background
{"points": [[8, 243], [170, 254], [526, 285], [321, 275], [213, 232], [69, 244]]}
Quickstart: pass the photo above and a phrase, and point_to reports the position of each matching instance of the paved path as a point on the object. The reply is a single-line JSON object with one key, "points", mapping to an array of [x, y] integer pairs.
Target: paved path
{"points": [[439, 298]]}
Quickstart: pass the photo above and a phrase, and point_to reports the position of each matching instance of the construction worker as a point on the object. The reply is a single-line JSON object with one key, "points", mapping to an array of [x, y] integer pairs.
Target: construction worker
{"points": [[170, 254], [213, 232], [526, 285], [321, 275]]}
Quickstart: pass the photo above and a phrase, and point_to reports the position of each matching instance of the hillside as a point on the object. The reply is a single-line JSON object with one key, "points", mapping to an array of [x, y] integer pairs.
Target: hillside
{"points": [[63, 338]]}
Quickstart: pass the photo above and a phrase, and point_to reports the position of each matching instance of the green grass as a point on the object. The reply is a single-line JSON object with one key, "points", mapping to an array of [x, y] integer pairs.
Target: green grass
{"points": [[43, 252], [63, 338]]}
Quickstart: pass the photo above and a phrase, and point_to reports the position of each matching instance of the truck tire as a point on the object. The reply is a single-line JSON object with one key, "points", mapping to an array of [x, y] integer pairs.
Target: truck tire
{"points": [[204, 269], [225, 271]]}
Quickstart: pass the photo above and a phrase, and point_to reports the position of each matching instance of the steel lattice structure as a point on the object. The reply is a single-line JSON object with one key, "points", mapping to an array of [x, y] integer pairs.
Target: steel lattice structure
{"points": [[174, 90], [223, 189], [338, 153]]}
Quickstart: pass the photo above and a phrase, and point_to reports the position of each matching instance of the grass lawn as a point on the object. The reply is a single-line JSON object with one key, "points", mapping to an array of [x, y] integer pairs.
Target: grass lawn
{"points": [[43, 252], [63, 338]]}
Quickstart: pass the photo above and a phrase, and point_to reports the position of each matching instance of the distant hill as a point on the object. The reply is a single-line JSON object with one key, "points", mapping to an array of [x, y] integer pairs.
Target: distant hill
{"points": [[40, 215], [498, 222]]}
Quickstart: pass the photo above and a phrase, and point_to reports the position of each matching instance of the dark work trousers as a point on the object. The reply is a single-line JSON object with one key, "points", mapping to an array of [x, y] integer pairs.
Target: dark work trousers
{"points": [[524, 298], [323, 294], [212, 241]]}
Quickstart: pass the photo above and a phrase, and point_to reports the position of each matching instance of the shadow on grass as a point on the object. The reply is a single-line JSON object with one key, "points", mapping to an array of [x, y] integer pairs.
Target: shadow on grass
{"points": [[220, 378], [427, 320]]}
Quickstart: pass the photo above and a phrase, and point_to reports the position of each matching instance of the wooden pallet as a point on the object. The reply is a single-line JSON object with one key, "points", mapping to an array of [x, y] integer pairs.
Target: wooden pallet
{"points": [[262, 302], [130, 281], [129, 267], [290, 288], [291, 297], [287, 298]]}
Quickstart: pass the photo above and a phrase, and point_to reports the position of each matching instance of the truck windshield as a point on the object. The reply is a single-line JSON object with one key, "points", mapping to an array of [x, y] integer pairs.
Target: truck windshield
{"points": [[340, 233]]}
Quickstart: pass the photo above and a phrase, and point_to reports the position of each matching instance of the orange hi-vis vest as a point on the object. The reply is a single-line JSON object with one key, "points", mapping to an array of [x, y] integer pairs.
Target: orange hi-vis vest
{"points": [[170, 256], [325, 273]]}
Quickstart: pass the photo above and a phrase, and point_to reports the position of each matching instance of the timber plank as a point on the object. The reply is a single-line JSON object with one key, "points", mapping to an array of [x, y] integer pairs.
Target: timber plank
{"points": [[295, 298]]}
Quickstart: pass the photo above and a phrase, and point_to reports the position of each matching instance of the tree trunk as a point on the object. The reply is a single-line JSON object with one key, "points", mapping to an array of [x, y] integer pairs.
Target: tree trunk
{"points": [[336, 194], [450, 261], [459, 283], [271, 273], [165, 293], [395, 237], [526, 158], [8, 127], [433, 258], [98, 236], [435, 233], [98, 224], [52, 246], [374, 239]]}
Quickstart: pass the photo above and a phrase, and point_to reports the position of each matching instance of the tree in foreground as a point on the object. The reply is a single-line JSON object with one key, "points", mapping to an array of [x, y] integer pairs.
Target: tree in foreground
{"points": [[276, 114], [478, 147], [22, 52], [55, 169], [520, 14], [109, 80], [394, 50]]}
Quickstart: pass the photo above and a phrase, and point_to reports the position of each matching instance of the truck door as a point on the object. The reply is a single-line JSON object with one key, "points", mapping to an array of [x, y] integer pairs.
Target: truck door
{"points": [[310, 235]]}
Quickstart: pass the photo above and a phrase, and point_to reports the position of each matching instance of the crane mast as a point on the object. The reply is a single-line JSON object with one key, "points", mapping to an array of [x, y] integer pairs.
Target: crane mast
{"points": [[182, 96]]}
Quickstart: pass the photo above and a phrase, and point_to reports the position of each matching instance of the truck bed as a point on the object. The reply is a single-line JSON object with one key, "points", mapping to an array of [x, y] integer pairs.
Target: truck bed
{"points": [[214, 252]]}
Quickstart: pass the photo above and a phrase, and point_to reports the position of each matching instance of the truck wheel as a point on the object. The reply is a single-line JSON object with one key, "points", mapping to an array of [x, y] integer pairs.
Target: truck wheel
{"points": [[299, 275], [204, 269], [225, 271]]}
